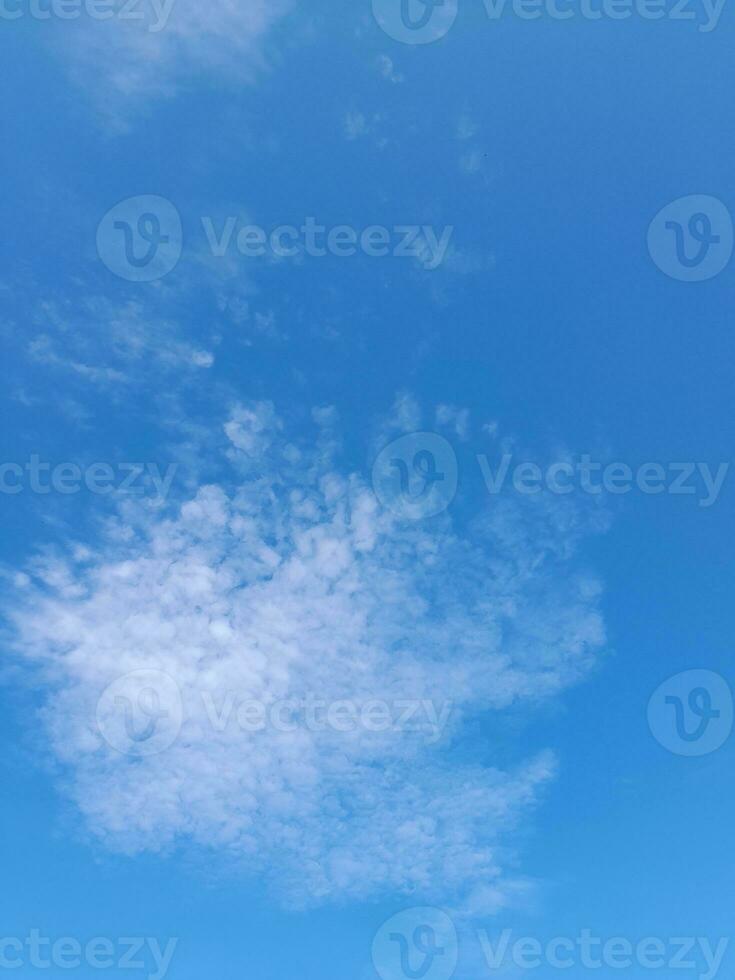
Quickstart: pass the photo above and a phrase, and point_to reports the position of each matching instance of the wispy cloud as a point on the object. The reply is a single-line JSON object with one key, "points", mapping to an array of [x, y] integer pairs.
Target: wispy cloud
{"points": [[108, 343], [356, 125], [473, 159], [387, 69], [128, 60], [457, 419]]}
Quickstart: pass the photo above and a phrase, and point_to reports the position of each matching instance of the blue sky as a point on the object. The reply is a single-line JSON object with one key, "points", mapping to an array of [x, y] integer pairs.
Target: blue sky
{"points": [[278, 559]]}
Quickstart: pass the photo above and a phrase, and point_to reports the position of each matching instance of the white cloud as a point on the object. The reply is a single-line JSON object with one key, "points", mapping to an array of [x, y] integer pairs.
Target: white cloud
{"points": [[149, 57], [111, 344], [387, 69], [356, 125], [290, 581], [405, 416], [458, 419]]}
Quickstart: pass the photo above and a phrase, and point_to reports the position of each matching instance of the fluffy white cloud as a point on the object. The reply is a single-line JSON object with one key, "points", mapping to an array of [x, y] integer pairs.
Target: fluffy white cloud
{"points": [[291, 582]]}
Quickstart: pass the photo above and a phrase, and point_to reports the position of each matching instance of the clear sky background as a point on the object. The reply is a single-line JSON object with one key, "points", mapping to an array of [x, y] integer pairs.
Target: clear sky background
{"points": [[549, 147]]}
